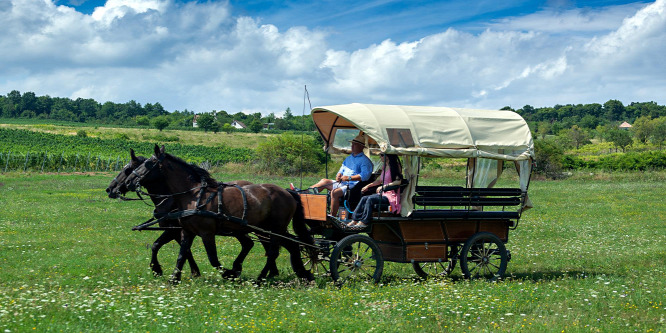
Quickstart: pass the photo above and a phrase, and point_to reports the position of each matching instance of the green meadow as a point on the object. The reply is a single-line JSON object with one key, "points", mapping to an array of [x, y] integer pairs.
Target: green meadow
{"points": [[590, 257]]}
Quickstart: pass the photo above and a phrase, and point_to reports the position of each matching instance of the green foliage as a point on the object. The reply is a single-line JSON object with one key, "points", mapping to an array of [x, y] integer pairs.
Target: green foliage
{"points": [[81, 133], [659, 132], [143, 121], [160, 122], [543, 129], [206, 122], [578, 136], [256, 126], [620, 138], [643, 128], [227, 128], [549, 156], [121, 136], [632, 161], [288, 154], [614, 110]]}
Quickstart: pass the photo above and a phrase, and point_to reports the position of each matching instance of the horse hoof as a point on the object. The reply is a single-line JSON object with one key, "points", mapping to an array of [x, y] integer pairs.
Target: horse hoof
{"points": [[196, 274], [157, 270], [230, 274]]}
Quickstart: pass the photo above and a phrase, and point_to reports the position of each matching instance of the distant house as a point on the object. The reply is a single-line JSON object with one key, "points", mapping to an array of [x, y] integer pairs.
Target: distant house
{"points": [[625, 126], [268, 126], [238, 125]]}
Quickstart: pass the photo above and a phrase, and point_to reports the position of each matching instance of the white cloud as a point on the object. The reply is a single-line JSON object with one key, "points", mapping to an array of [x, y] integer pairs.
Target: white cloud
{"points": [[198, 56], [557, 20], [117, 9]]}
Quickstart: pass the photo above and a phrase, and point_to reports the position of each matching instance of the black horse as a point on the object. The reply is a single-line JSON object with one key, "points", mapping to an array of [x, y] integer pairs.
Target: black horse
{"points": [[264, 209], [165, 204]]}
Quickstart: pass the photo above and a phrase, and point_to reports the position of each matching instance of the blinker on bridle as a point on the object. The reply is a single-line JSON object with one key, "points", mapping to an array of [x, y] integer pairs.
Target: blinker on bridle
{"points": [[149, 167]]}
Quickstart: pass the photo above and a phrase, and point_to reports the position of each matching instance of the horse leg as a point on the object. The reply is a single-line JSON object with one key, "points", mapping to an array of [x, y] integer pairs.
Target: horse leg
{"points": [[211, 250], [185, 246], [246, 245], [296, 259], [271, 266], [272, 253], [166, 237], [194, 268]]}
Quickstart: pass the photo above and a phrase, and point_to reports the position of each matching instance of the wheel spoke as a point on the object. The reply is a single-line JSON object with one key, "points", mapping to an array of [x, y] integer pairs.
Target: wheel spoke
{"points": [[475, 266]]}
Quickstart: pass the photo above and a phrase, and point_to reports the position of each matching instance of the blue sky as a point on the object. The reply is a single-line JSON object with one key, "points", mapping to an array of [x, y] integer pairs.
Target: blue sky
{"points": [[256, 56], [356, 24]]}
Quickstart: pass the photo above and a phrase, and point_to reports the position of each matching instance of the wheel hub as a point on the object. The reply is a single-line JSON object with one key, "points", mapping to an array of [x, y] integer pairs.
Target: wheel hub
{"points": [[358, 263]]}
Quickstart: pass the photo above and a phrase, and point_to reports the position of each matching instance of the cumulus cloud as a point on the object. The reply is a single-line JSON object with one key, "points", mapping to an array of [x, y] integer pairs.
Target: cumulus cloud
{"points": [[200, 56]]}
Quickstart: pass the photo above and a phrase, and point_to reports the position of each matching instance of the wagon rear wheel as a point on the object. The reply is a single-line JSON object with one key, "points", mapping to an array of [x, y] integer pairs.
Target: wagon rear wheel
{"points": [[427, 270], [483, 256], [356, 257]]}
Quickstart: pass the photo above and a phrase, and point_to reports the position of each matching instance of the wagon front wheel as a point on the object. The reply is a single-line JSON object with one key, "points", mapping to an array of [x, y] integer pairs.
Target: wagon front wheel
{"points": [[315, 261], [356, 257], [483, 256]]}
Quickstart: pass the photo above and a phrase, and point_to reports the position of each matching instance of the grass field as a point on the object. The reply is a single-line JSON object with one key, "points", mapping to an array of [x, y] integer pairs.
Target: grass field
{"points": [[590, 257]]}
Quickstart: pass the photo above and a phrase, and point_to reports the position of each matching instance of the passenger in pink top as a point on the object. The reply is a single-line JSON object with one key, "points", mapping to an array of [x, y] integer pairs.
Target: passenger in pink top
{"points": [[392, 175]]}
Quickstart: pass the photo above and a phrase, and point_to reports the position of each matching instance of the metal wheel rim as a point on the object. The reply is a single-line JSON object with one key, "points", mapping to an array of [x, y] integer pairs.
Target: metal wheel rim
{"points": [[357, 262], [484, 259]]}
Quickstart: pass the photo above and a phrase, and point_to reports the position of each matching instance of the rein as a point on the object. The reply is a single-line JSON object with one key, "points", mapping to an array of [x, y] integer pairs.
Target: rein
{"points": [[221, 213]]}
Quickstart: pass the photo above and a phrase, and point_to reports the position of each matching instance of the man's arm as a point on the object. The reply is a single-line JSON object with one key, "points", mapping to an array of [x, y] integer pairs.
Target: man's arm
{"points": [[366, 169]]}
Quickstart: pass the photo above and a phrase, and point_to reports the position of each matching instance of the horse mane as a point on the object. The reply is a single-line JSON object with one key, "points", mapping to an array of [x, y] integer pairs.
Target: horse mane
{"points": [[196, 173]]}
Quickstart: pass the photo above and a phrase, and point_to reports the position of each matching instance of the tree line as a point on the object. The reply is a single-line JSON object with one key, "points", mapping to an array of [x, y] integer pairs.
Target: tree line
{"points": [[28, 105], [574, 125]]}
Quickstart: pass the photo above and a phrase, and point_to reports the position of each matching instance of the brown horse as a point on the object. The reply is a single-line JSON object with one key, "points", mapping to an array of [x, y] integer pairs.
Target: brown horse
{"points": [[264, 209], [163, 205]]}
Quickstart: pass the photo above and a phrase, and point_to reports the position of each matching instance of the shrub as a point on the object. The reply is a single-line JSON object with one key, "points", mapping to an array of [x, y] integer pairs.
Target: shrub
{"points": [[121, 136], [160, 122], [549, 158], [82, 133], [288, 154]]}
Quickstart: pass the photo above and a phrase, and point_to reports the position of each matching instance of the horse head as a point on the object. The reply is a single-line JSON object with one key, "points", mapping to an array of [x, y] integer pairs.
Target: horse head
{"points": [[118, 185], [147, 172]]}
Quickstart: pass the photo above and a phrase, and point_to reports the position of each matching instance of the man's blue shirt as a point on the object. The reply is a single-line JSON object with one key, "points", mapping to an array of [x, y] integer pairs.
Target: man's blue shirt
{"points": [[358, 164]]}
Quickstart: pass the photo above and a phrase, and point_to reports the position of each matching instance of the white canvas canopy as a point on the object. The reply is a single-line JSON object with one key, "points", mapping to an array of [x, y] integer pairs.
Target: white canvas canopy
{"points": [[430, 131], [486, 138]]}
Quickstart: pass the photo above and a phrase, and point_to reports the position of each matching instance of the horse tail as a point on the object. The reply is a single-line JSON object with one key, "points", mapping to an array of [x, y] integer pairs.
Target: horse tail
{"points": [[298, 221]]}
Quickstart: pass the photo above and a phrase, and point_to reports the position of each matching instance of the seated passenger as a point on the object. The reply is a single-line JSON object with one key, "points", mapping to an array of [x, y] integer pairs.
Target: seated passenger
{"points": [[392, 175], [356, 167]]}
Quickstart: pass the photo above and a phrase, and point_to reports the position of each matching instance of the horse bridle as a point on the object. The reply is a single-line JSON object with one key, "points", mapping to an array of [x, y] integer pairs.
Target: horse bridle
{"points": [[150, 167]]}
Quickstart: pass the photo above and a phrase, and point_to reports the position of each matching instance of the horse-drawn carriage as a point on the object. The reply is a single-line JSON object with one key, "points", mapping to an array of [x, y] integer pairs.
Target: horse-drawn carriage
{"points": [[438, 225]]}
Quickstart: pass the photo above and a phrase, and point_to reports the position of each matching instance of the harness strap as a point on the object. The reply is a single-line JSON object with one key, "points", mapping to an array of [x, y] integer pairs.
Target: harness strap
{"points": [[222, 212]]}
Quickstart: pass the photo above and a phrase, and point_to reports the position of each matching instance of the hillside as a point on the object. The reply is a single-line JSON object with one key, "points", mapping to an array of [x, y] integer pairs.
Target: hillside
{"points": [[199, 138]]}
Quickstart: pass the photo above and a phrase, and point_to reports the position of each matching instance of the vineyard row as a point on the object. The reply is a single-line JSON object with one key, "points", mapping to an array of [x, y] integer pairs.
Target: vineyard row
{"points": [[45, 162]]}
